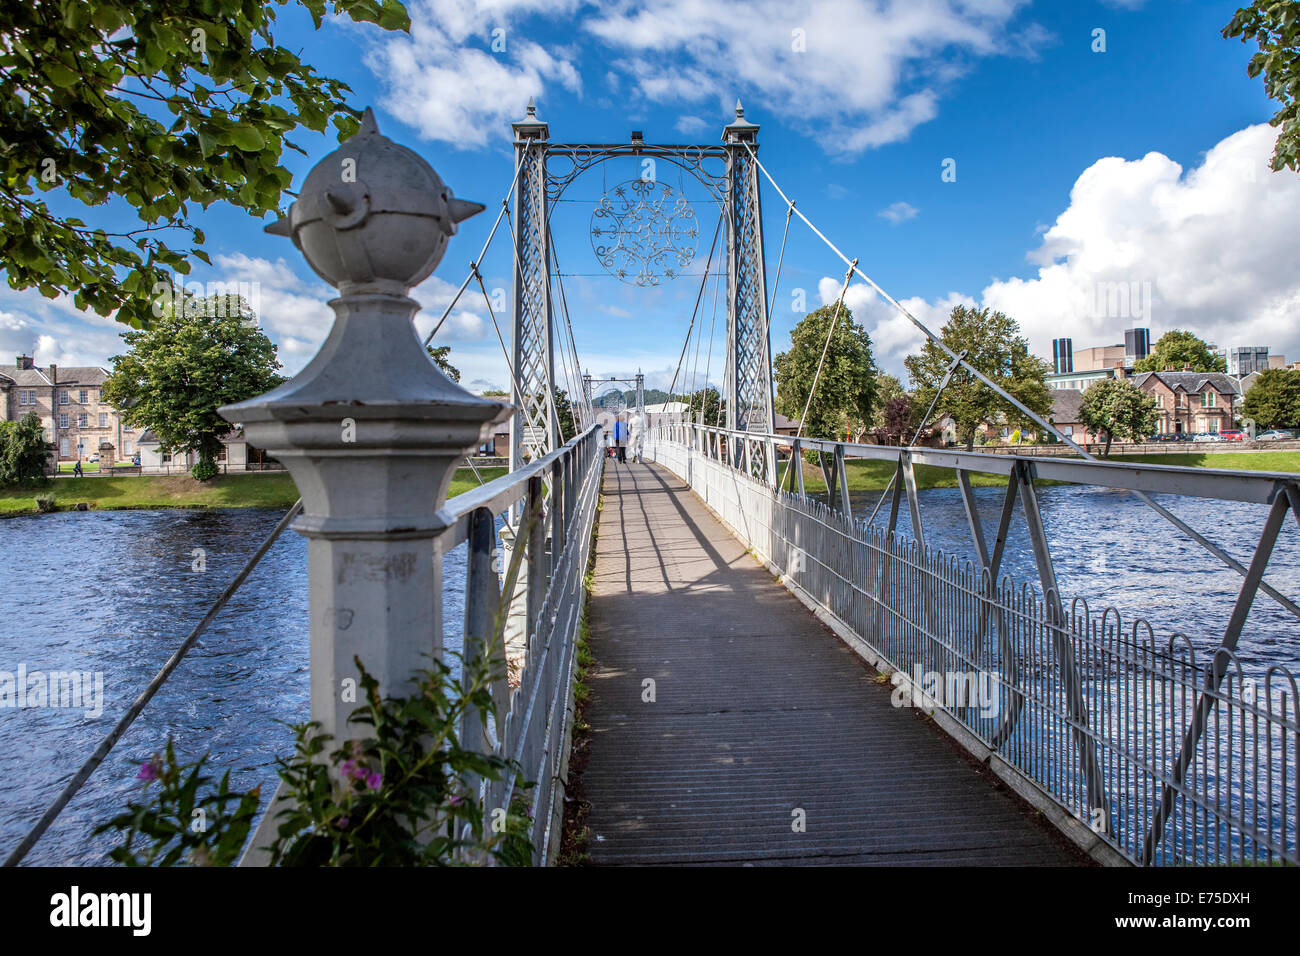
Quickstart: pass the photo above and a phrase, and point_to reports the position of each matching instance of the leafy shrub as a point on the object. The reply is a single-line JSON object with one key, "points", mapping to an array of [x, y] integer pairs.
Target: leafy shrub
{"points": [[397, 797], [205, 469]]}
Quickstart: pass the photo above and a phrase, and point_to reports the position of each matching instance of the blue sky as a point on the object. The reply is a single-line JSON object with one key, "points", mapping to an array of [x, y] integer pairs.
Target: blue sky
{"points": [[1075, 169]]}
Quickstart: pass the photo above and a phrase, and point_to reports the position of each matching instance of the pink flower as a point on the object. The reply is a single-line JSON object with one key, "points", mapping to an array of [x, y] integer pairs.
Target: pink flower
{"points": [[346, 768], [148, 770], [374, 779], [454, 801]]}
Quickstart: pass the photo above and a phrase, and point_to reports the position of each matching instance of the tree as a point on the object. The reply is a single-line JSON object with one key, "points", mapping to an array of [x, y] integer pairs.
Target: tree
{"points": [[710, 401], [1274, 400], [846, 387], [564, 411], [182, 369], [441, 357], [1176, 349], [160, 104], [1117, 408], [1275, 26], [887, 387], [898, 421], [994, 345], [22, 451]]}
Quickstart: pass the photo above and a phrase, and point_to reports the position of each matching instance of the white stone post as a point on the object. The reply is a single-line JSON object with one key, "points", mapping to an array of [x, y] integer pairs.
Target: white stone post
{"points": [[371, 430]]}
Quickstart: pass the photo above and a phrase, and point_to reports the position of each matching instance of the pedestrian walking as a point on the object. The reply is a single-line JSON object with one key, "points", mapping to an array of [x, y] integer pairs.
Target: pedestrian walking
{"points": [[76, 469]]}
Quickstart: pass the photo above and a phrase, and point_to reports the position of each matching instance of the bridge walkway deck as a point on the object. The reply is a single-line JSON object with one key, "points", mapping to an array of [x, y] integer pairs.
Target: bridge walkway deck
{"points": [[758, 712]]}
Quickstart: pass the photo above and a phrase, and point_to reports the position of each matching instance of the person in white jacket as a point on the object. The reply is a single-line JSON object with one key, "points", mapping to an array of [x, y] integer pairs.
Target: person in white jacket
{"points": [[636, 434]]}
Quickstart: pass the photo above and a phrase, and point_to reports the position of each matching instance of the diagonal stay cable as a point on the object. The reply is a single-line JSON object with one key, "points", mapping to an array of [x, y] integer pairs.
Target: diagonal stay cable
{"points": [[839, 305], [698, 298], [132, 712], [1160, 509]]}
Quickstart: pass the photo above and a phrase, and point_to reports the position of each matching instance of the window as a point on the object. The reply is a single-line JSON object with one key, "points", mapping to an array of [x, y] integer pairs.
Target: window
{"points": [[1207, 399], [63, 419], [31, 397], [85, 396], [221, 455], [22, 397], [81, 420], [128, 428], [126, 449], [63, 448], [63, 396], [1069, 431], [165, 457], [103, 419]]}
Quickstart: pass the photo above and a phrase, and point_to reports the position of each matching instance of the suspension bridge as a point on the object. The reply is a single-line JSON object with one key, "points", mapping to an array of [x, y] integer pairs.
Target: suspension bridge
{"points": [[780, 677]]}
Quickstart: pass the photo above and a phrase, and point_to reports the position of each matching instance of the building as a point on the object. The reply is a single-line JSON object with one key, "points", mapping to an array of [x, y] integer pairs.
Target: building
{"points": [[1137, 346], [1062, 356], [1100, 358], [664, 413], [68, 401], [235, 454], [1066, 403], [1191, 402], [1242, 360]]}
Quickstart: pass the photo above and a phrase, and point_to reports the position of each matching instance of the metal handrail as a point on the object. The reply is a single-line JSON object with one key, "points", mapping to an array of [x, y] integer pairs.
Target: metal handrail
{"points": [[1161, 758]]}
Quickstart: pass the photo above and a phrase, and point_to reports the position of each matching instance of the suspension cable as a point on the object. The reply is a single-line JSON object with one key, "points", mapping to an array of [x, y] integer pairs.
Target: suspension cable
{"points": [[1160, 509], [839, 304], [698, 297]]}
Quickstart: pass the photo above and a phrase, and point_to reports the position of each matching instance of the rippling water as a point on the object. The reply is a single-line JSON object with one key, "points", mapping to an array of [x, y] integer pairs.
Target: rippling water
{"points": [[114, 592], [1112, 549]]}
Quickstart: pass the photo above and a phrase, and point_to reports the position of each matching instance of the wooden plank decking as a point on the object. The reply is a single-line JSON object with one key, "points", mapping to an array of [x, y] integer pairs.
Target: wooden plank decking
{"points": [[759, 711]]}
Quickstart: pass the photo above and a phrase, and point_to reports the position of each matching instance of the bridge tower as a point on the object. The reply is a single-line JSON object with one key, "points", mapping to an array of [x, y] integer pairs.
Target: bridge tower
{"points": [[533, 429], [749, 352], [748, 374]]}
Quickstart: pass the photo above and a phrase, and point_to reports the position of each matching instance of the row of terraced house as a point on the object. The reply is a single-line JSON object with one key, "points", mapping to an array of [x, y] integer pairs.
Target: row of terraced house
{"points": [[79, 424]]}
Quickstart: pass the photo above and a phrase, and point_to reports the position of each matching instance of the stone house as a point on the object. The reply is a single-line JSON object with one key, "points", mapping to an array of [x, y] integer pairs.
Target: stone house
{"points": [[1191, 402], [69, 403]]}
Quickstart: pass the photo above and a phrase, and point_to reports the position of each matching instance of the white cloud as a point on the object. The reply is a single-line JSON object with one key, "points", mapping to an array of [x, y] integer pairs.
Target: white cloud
{"points": [[463, 94], [855, 75], [690, 125], [1211, 250], [898, 212]]}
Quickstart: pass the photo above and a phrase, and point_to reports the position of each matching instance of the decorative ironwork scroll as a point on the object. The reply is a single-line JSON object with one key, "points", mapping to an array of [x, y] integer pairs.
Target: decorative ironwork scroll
{"points": [[643, 232]]}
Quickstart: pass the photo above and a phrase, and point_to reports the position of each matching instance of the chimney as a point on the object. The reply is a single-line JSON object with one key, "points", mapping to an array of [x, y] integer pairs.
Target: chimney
{"points": [[1120, 372], [24, 362]]}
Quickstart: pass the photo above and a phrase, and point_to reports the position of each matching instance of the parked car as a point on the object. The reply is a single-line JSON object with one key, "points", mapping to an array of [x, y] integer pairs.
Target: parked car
{"points": [[1207, 436], [1277, 434], [1168, 436], [1232, 434], [92, 459]]}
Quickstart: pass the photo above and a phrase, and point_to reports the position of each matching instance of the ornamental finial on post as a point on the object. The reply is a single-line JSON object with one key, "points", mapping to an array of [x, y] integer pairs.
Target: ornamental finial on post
{"points": [[371, 429], [373, 212]]}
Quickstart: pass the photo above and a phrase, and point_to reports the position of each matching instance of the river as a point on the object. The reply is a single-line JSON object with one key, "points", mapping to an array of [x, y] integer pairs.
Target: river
{"points": [[116, 592]]}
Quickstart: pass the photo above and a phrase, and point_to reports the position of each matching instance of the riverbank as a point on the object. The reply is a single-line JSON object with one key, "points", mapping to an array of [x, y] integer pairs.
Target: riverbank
{"points": [[875, 475], [274, 490]]}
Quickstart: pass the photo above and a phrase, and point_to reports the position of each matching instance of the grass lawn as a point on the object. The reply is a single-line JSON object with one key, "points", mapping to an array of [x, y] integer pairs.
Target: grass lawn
{"points": [[66, 467], [875, 475], [275, 490]]}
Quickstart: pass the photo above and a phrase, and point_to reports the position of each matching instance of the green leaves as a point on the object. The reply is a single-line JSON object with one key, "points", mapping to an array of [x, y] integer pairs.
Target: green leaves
{"points": [[1273, 401], [1176, 350], [846, 388], [189, 102], [1275, 26], [1117, 408], [188, 363], [993, 344]]}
